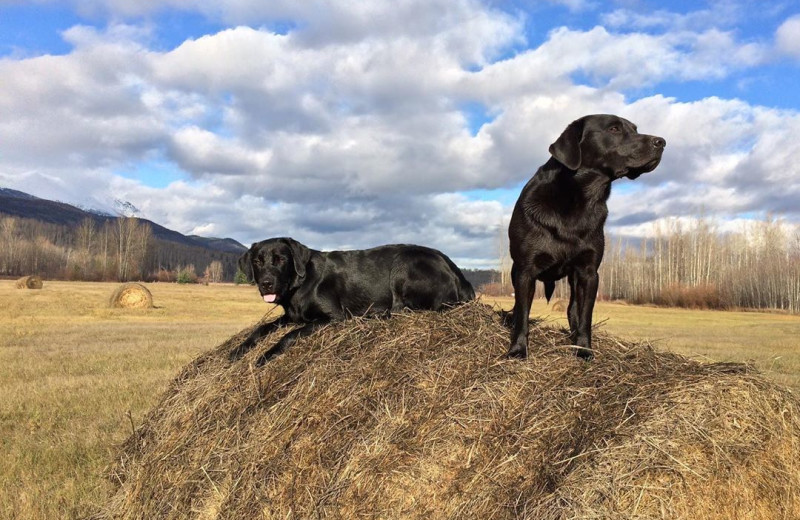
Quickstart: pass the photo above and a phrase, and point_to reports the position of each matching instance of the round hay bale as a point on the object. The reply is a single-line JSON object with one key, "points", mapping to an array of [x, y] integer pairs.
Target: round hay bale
{"points": [[132, 296], [421, 416], [29, 282], [559, 306]]}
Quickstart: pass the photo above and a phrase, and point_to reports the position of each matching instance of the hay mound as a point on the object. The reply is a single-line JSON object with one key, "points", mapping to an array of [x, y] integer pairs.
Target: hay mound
{"points": [[29, 282], [559, 306], [132, 296], [419, 416]]}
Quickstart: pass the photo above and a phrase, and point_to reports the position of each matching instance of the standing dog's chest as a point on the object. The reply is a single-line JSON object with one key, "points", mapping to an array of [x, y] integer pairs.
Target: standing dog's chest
{"points": [[582, 248]]}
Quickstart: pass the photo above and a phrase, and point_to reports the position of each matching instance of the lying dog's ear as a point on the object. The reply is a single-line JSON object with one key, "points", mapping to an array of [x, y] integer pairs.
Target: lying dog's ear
{"points": [[567, 148], [300, 256], [245, 264]]}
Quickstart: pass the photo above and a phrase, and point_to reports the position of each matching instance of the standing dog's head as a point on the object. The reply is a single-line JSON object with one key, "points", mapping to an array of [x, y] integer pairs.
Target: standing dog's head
{"points": [[277, 265], [608, 144]]}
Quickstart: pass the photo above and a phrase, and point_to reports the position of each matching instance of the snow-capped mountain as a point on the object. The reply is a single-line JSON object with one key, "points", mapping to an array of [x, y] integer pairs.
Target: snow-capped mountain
{"points": [[123, 208]]}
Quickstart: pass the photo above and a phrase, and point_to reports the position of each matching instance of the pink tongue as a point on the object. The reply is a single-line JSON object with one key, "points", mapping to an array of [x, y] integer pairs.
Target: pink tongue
{"points": [[269, 298]]}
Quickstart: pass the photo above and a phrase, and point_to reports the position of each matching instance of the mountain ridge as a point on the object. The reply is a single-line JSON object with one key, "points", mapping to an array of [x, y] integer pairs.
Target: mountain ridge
{"points": [[24, 205]]}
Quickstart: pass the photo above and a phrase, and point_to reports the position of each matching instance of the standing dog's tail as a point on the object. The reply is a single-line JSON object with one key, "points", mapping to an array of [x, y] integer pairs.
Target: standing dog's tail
{"points": [[549, 287]]}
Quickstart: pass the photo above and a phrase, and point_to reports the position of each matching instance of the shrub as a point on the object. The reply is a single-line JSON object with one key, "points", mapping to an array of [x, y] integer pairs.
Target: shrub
{"points": [[496, 289], [240, 277], [164, 275], [704, 296], [187, 274]]}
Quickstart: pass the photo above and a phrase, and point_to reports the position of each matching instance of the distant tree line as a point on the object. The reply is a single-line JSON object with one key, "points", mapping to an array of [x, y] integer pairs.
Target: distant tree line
{"points": [[698, 266], [758, 267], [120, 249]]}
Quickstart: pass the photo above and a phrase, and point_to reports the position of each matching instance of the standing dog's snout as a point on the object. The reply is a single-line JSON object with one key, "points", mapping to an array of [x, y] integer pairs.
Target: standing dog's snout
{"points": [[266, 286], [659, 142]]}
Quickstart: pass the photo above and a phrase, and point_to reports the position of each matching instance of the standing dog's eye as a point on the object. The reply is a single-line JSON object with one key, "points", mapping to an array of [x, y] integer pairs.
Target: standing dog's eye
{"points": [[615, 129], [277, 260]]}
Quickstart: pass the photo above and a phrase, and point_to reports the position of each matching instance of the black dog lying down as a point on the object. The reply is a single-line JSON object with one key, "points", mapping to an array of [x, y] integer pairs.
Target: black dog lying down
{"points": [[315, 288], [556, 229]]}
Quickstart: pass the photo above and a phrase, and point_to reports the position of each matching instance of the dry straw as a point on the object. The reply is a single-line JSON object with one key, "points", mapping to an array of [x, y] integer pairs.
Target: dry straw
{"points": [[420, 416], [29, 282], [132, 296]]}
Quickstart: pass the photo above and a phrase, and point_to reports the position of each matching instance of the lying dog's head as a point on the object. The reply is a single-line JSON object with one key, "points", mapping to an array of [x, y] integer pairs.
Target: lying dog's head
{"points": [[608, 144], [277, 265]]}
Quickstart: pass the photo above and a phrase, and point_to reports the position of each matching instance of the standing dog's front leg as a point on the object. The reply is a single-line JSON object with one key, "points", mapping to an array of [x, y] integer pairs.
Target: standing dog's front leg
{"points": [[572, 308], [524, 287], [288, 340], [584, 292]]}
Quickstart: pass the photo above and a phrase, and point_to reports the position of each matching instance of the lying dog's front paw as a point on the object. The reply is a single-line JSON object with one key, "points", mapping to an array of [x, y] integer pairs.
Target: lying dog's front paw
{"points": [[282, 344], [238, 352], [263, 358]]}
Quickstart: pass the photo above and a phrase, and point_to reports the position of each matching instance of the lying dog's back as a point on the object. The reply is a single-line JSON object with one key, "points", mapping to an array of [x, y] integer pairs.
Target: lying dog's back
{"points": [[389, 278]]}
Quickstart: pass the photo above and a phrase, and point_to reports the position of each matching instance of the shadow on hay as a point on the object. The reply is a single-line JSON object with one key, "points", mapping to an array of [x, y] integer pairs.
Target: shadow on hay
{"points": [[420, 416]]}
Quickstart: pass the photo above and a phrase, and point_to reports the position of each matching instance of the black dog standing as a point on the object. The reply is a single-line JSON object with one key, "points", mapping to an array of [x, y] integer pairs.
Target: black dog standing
{"points": [[317, 287], [556, 228]]}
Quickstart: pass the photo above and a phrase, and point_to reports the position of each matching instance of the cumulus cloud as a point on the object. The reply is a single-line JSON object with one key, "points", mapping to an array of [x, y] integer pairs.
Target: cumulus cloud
{"points": [[349, 129], [721, 13], [787, 37]]}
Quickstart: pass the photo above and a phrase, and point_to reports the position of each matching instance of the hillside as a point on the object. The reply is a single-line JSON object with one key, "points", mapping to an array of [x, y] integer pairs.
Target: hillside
{"points": [[61, 241], [20, 204]]}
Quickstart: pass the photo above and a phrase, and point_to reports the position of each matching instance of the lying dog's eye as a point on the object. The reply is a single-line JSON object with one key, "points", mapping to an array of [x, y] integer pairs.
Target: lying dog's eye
{"points": [[615, 129], [277, 260]]}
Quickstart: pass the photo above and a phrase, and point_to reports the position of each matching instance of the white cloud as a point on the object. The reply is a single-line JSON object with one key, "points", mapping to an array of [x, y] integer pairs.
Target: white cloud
{"points": [[350, 131], [206, 154], [722, 13], [787, 37]]}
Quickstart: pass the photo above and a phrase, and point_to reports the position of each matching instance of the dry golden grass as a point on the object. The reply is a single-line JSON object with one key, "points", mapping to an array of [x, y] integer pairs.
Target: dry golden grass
{"points": [[768, 341], [71, 369], [422, 417]]}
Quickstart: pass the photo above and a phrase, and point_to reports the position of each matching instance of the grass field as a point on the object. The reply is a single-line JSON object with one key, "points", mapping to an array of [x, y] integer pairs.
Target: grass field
{"points": [[769, 341], [76, 375]]}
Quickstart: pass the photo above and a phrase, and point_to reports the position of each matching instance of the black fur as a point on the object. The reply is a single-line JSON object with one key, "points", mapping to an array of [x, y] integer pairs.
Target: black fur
{"points": [[556, 228], [315, 288]]}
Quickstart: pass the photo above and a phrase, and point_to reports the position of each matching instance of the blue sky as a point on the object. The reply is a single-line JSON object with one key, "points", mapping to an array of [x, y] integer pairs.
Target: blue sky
{"points": [[351, 124]]}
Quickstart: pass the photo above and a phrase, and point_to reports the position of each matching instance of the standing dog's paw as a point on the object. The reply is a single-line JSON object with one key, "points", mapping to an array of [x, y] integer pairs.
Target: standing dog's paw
{"points": [[585, 354], [517, 352]]}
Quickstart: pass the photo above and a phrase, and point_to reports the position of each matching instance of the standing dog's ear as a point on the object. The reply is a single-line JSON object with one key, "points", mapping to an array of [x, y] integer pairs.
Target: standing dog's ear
{"points": [[567, 148], [246, 265], [300, 256]]}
